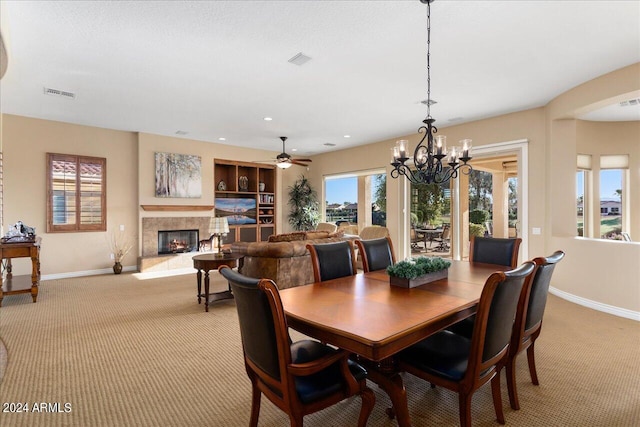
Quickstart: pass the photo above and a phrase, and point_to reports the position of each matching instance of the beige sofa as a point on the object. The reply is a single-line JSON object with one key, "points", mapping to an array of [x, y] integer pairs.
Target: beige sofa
{"points": [[284, 259]]}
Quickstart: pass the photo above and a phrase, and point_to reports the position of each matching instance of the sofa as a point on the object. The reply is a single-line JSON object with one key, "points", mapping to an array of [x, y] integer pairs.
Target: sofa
{"points": [[284, 258]]}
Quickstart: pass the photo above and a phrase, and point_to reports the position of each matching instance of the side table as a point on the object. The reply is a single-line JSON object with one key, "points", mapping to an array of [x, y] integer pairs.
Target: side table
{"points": [[212, 261], [25, 283]]}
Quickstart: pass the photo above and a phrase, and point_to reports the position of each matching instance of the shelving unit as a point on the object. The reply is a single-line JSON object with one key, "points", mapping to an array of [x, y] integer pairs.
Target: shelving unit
{"points": [[253, 206]]}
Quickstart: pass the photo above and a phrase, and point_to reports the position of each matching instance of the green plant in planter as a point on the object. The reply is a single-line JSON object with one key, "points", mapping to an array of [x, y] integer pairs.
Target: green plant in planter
{"points": [[303, 199], [411, 268]]}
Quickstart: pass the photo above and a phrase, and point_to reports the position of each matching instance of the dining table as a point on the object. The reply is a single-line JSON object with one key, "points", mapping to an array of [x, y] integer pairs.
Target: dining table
{"points": [[371, 318]]}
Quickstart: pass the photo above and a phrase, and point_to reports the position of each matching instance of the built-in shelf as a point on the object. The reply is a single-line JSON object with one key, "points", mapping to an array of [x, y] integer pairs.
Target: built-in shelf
{"points": [[168, 208]]}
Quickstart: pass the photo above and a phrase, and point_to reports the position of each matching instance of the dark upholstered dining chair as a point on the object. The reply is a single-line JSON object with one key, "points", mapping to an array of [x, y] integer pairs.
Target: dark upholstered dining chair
{"points": [[528, 324], [490, 250], [301, 377], [377, 254], [464, 365], [332, 260]]}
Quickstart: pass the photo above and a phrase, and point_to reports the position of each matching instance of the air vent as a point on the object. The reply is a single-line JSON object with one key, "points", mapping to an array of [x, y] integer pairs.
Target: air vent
{"points": [[431, 102], [181, 132], [329, 144], [630, 103], [60, 93], [300, 59]]}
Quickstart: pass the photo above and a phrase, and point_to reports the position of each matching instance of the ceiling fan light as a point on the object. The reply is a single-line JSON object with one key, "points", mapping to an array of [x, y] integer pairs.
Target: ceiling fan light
{"points": [[283, 165]]}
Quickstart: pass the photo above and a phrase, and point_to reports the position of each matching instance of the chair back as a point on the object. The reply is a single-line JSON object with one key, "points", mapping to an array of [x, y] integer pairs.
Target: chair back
{"points": [[540, 289], [446, 232], [495, 317], [258, 328], [332, 260], [492, 250], [326, 226], [373, 232], [377, 254]]}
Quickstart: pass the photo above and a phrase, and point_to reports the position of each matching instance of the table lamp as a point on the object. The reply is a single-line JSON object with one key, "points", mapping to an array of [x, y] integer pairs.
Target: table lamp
{"points": [[219, 227]]}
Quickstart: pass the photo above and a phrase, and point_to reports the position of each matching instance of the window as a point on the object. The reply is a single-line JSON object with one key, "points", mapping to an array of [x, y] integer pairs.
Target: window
{"points": [[343, 192], [76, 193]]}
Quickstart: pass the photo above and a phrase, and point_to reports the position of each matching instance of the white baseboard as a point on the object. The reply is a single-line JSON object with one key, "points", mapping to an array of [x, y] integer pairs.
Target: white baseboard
{"points": [[84, 273], [606, 308]]}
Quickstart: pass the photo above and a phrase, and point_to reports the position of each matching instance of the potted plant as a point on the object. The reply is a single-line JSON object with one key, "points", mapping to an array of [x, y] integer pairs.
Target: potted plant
{"points": [[304, 214], [120, 246], [417, 271]]}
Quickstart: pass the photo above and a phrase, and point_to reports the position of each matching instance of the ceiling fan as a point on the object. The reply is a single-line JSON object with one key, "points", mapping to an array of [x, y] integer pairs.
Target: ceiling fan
{"points": [[284, 160]]}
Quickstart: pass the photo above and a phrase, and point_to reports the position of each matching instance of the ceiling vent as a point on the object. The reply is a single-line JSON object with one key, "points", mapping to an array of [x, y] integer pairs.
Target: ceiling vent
{"points": [[60, 93], [630, 103], [300, 59], [424, 101], [181, 132], [329, 144]]}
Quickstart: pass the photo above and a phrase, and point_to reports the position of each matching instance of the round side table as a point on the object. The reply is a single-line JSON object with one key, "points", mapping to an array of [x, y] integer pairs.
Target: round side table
{"points": [[208, 262]]}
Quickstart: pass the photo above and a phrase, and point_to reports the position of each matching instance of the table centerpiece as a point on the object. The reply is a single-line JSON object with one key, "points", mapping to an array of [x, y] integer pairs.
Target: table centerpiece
{"points": [[417, 271]]}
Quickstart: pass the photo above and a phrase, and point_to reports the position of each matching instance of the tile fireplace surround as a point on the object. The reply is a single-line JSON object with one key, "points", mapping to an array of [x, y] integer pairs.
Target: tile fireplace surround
{"points": [[150, 260]]}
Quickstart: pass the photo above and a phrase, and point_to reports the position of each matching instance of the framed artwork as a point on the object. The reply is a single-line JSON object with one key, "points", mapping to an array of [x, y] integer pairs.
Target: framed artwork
{"points": [[178, 175], [238, 211]]}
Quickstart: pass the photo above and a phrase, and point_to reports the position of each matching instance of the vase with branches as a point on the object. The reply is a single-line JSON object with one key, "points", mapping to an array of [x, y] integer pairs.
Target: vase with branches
{"points": [[120, 245]]}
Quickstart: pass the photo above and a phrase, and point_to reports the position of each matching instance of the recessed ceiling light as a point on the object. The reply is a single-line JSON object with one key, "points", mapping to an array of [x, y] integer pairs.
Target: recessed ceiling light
{"points": [[294, 149], [347, 136], [222, 139], [329, 144], [181, 132], [267, 119]]}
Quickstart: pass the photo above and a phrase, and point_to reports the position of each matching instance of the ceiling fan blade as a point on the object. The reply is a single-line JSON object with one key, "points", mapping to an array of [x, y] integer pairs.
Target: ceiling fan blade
{"points": [[299, 163], [302, 160]]}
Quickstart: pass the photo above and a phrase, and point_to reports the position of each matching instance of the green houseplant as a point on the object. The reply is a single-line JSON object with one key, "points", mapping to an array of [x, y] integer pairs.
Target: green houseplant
{"points": [[417, 271], [303, 200]]}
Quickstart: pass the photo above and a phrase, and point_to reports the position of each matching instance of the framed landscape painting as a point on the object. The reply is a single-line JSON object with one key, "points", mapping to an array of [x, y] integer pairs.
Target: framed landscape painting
{"points": [[178, 175], [238, 211]]}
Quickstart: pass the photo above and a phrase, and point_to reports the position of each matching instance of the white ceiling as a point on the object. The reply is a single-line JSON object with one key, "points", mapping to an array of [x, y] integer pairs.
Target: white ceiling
{"points": [[216, 69]]}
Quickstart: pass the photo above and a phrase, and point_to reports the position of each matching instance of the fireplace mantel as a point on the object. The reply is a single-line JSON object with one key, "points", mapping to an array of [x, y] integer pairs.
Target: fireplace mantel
{"points": [[166, 208]]}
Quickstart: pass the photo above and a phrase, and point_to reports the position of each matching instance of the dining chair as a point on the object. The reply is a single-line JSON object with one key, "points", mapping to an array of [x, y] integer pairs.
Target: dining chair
{"points": [[298, 377], [332, 260], [528, 323], [377, 254], [492, 250], [464, 365]]}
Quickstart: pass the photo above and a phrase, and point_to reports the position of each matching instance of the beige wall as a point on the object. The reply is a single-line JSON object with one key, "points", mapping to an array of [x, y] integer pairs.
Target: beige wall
{"points": [[130, 183], [25, 142], [602, 273]]}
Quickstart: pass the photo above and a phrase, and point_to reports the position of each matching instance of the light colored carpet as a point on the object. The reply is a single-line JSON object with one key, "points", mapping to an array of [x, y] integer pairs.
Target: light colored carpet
{"points": [[124, 351]]}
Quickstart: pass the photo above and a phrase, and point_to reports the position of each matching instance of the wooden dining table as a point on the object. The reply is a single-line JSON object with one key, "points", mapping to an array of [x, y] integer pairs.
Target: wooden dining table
{"points": [[367, 316]]}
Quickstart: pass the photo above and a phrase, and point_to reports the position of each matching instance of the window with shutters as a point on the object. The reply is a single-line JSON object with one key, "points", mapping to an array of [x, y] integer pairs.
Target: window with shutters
{"points": [[76, 193]]}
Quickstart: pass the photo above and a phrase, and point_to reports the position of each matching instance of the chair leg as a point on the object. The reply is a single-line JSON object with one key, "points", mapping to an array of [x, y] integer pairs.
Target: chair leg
{"points": [[531, 358], [511, 383], [255, 406], [497, 397], [464, 402], [368, 402], [296, 419]]}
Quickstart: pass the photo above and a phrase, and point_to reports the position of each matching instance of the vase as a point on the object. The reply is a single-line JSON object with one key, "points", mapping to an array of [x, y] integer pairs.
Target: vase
{"points": [[117, 268], [261, 187], [420, 280]]}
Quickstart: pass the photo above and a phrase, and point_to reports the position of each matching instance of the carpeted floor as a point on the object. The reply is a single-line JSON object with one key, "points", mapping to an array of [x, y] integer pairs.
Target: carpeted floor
{"points": [[128, 351]]}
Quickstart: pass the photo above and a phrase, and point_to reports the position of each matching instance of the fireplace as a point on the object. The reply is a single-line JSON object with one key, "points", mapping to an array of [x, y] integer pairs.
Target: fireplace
{"points": [[177, 241]]}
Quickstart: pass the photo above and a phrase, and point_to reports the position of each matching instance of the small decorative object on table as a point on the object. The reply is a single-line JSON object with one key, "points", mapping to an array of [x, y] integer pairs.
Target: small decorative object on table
{"points": [[20, 233], [417, 271]]}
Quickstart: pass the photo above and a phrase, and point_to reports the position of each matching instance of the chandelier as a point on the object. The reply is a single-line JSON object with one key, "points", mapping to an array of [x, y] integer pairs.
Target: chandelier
{"points": [[432, 163]]}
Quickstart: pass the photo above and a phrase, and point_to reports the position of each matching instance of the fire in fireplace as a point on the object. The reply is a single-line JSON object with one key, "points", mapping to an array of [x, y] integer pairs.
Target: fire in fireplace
{"points": [[177, 241]]}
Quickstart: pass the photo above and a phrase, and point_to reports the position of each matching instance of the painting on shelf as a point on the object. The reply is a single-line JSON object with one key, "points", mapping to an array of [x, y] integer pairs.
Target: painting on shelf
{"points": [[178, 175], [239, 211]]}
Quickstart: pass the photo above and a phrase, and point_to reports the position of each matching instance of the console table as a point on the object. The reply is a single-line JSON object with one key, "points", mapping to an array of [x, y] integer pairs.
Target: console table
{"points": [[20, 284], [209, 262]]}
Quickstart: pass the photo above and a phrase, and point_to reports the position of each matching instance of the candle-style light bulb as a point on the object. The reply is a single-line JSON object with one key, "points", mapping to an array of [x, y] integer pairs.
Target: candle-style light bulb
{"points": [[441, 145]]}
